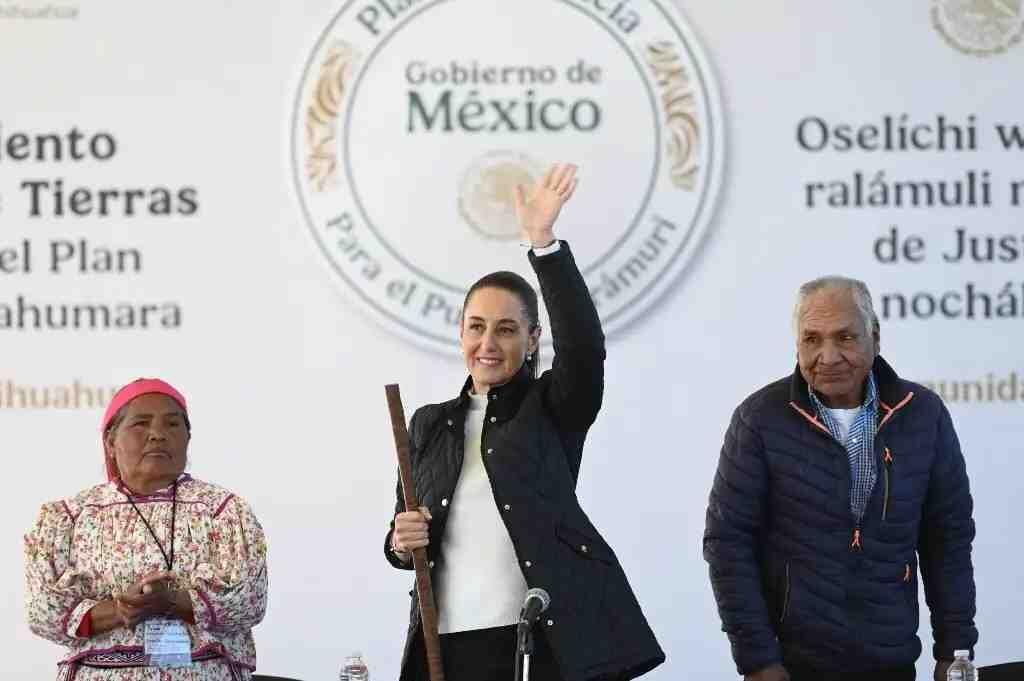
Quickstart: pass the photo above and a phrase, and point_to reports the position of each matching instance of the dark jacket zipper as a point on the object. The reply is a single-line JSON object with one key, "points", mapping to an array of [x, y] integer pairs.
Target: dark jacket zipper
{"points": [[856, 540]]}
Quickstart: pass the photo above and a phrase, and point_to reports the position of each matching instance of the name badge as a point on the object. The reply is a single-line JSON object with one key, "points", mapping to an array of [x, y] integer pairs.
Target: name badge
{"points": [[166, 643]]}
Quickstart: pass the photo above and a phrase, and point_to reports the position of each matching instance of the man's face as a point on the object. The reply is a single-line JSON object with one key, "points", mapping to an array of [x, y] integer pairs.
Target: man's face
{"points": [[834, 349]]}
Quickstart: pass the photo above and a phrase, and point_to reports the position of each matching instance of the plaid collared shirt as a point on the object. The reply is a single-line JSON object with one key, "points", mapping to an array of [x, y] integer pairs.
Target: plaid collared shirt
{"points": [[859, 445]]}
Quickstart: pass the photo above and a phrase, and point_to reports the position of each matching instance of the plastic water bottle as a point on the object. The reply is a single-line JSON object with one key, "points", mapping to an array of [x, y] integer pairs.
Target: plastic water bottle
{"points": [[962, 668], [354, 669]]}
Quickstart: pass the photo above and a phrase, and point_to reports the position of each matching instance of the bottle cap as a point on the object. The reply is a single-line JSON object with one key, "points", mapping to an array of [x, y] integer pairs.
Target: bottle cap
{"points": [[961, 653]]}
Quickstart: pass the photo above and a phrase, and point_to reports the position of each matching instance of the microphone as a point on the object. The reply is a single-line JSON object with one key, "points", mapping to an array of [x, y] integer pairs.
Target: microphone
{"points": [[537, 601]]}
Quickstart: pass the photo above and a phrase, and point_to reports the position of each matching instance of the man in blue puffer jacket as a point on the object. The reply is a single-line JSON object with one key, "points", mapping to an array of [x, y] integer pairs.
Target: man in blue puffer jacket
{"points": [[832, 484]]}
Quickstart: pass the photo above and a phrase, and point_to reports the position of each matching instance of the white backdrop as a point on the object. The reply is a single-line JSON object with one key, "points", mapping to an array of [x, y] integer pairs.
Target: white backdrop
{"points": [[284, 367]]}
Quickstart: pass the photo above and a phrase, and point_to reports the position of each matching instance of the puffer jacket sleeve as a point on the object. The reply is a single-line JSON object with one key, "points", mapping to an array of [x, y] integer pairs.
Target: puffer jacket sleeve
{"points": [[735, 517], [947, 530], [575, 391], [576, 388]]}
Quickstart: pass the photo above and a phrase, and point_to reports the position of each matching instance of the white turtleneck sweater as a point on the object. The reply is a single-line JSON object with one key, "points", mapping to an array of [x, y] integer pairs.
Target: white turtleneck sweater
{"points": [[480, 584]]}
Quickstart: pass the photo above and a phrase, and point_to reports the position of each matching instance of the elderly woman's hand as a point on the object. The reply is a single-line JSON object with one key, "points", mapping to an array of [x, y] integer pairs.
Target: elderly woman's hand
{"points": [[151, 596], [538, 208], [412, 531]]}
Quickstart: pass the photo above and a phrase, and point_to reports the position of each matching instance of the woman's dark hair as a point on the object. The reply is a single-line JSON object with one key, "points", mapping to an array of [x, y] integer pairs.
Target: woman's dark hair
{"points": [[519, 287]]}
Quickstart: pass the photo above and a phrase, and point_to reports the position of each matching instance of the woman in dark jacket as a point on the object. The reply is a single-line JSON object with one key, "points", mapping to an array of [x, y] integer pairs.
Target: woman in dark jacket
{"points": [[496, 468]]}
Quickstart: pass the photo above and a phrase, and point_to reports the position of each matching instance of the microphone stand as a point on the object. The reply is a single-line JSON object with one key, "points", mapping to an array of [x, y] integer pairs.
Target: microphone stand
{"points": [[524, 649], [537, 601]]}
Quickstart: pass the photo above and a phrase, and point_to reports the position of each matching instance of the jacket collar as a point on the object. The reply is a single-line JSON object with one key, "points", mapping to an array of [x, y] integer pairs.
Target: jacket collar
{"points": [[892, 393], [502, 401]]}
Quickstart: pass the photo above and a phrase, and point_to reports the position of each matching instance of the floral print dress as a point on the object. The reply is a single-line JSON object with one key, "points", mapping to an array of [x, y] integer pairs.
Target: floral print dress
{"points": [[93, 546]]}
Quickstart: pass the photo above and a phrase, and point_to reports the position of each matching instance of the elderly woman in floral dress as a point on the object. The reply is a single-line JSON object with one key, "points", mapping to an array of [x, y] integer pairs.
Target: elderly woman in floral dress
{"points": [[154, 574]]}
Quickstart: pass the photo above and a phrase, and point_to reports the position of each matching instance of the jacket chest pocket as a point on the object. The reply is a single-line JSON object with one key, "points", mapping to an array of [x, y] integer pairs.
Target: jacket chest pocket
{"points": [[886, 475], [902, 487], [583, 545]]}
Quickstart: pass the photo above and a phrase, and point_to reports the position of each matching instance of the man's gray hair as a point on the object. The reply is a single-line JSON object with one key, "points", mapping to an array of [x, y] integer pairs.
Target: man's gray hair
{"points": [[859, 290]]}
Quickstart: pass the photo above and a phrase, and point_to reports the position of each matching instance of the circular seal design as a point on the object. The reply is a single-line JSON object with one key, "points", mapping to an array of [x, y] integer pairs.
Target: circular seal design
{"points": [[979, 27], [487, 192], [415, 120]]}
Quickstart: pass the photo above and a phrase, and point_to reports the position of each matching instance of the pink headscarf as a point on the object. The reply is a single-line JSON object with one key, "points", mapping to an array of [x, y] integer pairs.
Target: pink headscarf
{"points": [[140, 386]]}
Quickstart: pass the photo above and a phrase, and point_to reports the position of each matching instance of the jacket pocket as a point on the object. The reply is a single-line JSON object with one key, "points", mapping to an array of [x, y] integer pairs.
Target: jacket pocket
{"points": [[584, 545], [910, 585], [787, 592]]}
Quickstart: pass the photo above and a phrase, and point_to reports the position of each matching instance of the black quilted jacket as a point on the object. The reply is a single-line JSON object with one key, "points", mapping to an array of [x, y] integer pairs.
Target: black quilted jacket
{"points": [[797, 578], [532, 445]]}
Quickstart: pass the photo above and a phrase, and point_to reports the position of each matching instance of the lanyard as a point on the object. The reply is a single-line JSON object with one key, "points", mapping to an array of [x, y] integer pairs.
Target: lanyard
{"points": [[168, 558]]}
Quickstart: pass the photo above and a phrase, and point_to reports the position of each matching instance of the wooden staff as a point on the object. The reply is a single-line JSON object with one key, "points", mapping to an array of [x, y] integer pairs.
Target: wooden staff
{"points": [[424, 589]]}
